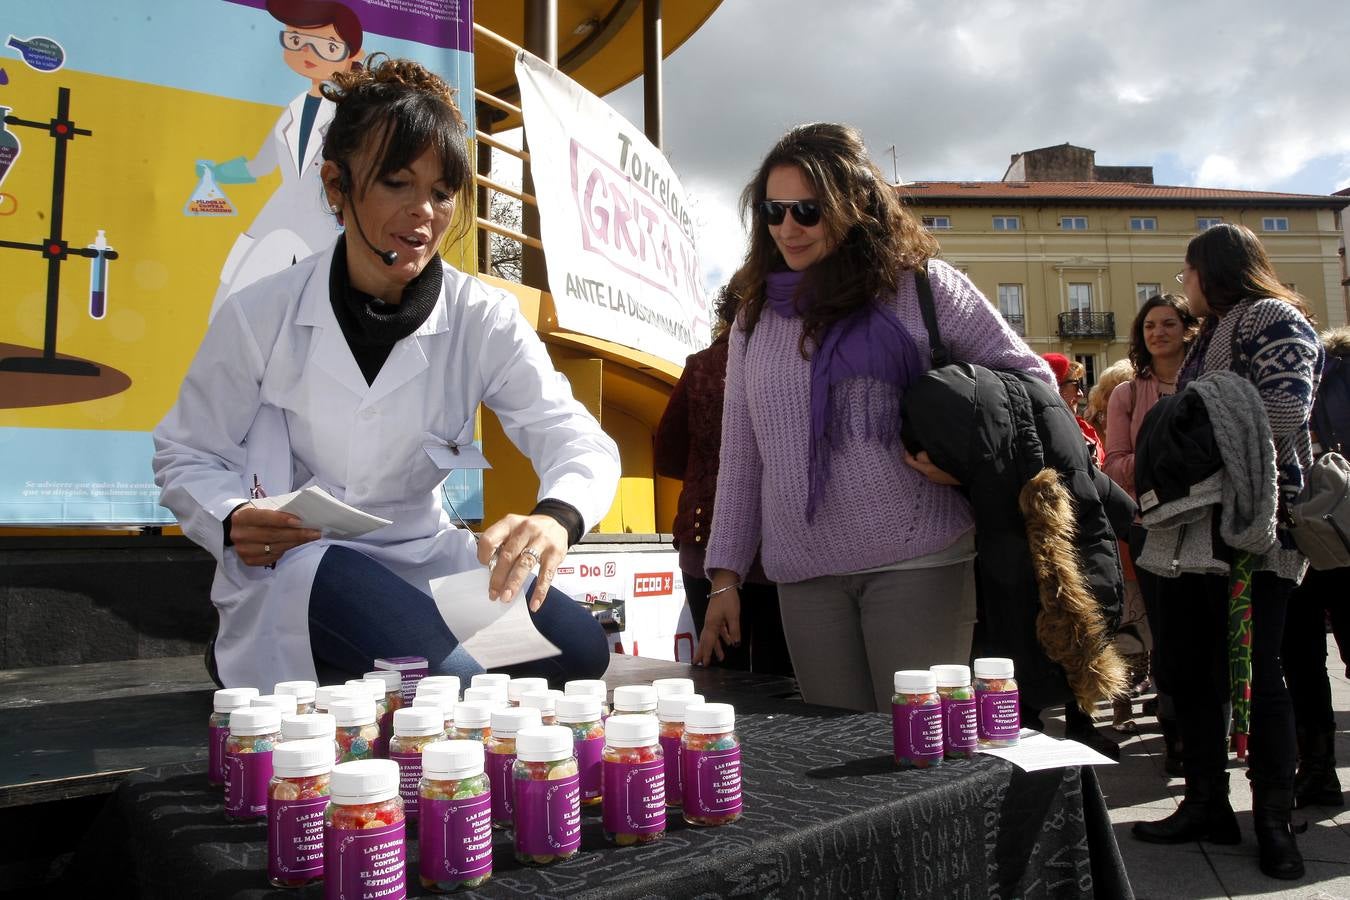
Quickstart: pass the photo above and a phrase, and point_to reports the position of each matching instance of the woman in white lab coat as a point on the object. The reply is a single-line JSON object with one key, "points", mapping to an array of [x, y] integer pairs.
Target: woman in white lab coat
{"points": [[360, 370]]}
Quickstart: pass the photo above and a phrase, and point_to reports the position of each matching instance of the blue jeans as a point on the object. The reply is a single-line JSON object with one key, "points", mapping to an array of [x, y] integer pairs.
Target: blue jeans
{"points": [[360, 611]]}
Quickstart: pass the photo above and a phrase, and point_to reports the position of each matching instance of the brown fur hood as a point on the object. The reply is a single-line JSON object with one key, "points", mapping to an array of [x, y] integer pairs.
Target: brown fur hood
{"points": [[1337, 342]]}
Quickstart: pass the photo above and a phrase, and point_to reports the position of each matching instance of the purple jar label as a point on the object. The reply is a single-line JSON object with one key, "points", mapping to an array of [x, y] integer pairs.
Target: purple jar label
{"points": [[246, 778], [917, 730], [670, 746], [498, 768], [370, 864], [411, 669], [635, 797], [589, 754], [960, 723], [215, 754], [455, 838], [548, 816], [409, 777], [295, 838], [712, 782], [1000, 715]]}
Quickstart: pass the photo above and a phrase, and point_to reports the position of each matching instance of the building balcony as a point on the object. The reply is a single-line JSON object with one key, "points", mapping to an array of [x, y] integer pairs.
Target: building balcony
{"points": [[1091, 325], [1017, 322]]}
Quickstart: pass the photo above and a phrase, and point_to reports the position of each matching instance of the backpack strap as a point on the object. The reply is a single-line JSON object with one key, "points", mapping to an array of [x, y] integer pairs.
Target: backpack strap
{"points": [[935, 346]]}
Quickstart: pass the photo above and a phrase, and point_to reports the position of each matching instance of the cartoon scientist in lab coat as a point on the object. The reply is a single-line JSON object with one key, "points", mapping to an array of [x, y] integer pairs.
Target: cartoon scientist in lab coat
{"points": [[320, 38]]}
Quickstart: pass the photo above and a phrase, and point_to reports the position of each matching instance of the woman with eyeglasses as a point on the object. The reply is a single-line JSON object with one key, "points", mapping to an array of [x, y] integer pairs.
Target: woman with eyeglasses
{"points": [[1070, 373], [361, 370], [1258, 328], [872, 549]]}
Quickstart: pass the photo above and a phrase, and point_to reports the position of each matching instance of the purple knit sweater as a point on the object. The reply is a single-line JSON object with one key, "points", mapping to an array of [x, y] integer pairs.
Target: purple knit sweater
{"points": [[876, 510]]}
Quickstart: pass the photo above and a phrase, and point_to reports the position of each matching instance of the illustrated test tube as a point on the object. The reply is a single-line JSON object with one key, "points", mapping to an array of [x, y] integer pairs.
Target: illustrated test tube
{"points": [[98, 277]]}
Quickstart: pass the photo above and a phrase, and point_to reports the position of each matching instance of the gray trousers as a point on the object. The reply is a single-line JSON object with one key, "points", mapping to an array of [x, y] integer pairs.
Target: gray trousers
{"points": [[849, 634]]}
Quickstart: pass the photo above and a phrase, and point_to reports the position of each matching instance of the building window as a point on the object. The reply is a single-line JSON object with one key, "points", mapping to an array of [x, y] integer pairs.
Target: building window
{"points": [[1144, 290], [938, 223], [1007, 223], [1089, 362], [1010, 305], [1080, 298], [1204, 222], [1143, 223], [1275, 223], [1073, 223]]}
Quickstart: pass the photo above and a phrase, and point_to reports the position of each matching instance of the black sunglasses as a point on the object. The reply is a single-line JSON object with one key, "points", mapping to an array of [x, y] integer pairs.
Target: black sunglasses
{"points": [[806, 212], [1076, 382]]}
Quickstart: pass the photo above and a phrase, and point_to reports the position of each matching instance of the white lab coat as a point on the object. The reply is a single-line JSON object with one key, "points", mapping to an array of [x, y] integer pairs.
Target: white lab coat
{"points": [[295, 222], [275, 391]]}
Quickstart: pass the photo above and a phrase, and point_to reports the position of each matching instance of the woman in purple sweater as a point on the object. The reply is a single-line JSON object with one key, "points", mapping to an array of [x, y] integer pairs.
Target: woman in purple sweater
{"points": [[872, 548]]}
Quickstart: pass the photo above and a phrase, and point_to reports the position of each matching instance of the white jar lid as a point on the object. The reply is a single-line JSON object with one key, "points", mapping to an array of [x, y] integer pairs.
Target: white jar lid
{"points": [[993, 667], [474, 713], [440, 683], [364, 781], [631, 731], [419, 721], [951, 676], [393, 682], [544, 701], [443, 702], [577, 708], [671, 708], [635, 698], [543, 743], [352, 711], [324, 696], [446, 760], [489, 693], [519, 687], [587, 687], [284, 703], [303, 690], [314, 725], [915, 681], [443, 692], [252, 721], [227, 699], [375, 688], [709, 718], [485, 678], [507, 722], [669, 687], [301, 759]]}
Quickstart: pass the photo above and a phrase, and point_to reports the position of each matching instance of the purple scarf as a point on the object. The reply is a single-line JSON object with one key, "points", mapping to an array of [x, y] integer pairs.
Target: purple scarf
{"points": [[871, 344]]}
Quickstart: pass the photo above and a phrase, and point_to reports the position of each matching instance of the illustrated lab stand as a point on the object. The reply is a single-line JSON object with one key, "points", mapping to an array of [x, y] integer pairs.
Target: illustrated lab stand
{"points": [[55, 248]]}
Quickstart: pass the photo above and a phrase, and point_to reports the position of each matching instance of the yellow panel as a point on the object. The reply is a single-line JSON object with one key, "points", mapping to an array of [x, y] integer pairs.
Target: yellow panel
{"points": [[667, 502]]}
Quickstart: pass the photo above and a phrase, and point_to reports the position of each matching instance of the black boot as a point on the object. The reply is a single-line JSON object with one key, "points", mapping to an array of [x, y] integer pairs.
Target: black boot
{"points": [[1204, 815], [1316, 783], [1172, 763], [1271, 809]]}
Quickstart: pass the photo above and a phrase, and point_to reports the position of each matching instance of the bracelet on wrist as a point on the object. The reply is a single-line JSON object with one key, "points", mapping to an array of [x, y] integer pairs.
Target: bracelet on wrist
{"points": [[723, 590]]}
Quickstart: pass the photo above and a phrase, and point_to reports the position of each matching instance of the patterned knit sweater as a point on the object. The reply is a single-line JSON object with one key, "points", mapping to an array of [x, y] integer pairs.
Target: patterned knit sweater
{"points": [[876, 510]]}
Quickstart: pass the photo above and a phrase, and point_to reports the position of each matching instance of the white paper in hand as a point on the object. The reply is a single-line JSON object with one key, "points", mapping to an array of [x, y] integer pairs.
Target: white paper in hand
{"points": [[321, 511], [495, 634]]}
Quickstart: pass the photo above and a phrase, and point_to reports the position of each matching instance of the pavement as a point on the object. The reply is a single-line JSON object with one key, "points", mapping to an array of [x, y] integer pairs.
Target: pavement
{"points": [[1138, 789]]}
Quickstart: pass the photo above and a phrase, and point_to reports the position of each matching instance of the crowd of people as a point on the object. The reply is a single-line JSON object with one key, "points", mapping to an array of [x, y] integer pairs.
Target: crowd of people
{"points": [[879, 474]]}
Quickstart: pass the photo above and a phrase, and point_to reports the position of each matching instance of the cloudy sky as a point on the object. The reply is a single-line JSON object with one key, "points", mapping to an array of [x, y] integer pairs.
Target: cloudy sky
{"points": [[1219, 94]]}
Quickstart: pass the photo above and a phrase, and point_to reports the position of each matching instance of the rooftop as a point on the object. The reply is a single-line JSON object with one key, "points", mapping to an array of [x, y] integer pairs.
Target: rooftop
{"points": [[1104, 193]]}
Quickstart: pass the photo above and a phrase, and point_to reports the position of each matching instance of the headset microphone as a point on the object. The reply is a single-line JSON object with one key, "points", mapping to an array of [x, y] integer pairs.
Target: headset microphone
{"points": [[388, 257]]}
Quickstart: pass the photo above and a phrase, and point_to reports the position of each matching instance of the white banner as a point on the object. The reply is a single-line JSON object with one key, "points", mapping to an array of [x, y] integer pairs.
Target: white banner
{"points": [[616, 226], [647, 584]]}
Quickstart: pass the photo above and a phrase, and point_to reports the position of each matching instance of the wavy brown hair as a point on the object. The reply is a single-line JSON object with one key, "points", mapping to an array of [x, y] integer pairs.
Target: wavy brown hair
{"points": [[876, 239], [1190, 325], [1233, 268]]}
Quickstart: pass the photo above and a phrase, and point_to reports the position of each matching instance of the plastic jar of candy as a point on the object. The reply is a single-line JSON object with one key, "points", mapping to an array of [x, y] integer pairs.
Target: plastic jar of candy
{"points": [[670, 713], [414, 729], [501, 757], [545, 701], [712, 764], [590, 687], [490, 679], [996, 702], [916, 720], [581, 714], [303, 691], [324, 696], [455, 826], [473, 720], [518, 687], [634, 781], [410, 669], [635, 700], [296, 799], [223, 702], [439, 684], [284, 704], [364, 833], [313, 726], [671, 687], [357, 733], [494, 694], [393, 688], [443, 702], [384, 719], [254, 732], [960, 728], [547, 796]]}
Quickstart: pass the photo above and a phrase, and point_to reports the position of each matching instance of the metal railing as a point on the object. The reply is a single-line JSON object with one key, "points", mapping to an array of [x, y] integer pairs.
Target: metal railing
{"points": [[1096, 325], [1017, 322], [482, 182]]}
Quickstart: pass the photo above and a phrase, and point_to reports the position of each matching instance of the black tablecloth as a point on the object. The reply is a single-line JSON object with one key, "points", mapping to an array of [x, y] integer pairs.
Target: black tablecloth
{"points": [[826, 814]]}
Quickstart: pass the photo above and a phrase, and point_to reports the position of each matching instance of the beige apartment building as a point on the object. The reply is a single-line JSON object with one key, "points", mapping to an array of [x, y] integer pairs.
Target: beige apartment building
{"points": [[1068, 250]]}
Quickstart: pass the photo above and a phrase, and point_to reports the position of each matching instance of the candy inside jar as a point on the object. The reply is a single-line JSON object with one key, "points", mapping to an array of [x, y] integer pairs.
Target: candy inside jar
{"points": [[960, 731], [547, 796], [296, 799], [455, 825], [916, 720], [670, 713], [581, 713], [415, 729], [223, 702], [254, 732], [473, 720], [711, 759], [365, 849], [357, 733], [997, 702], [634, 781], [303, 691], [501, 757]]}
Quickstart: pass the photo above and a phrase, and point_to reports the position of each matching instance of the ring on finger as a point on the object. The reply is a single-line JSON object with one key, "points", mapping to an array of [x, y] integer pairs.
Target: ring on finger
{"points": [[267, 549], [532, 554]]}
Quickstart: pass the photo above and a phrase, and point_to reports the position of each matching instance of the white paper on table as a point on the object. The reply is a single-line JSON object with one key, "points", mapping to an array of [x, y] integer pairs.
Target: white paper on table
{"points": [[1036, 751], [494, 633], [321, 511]]}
